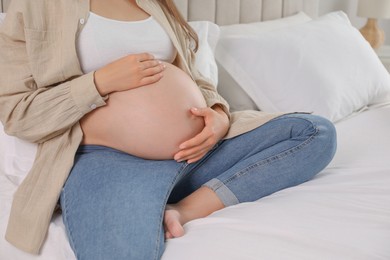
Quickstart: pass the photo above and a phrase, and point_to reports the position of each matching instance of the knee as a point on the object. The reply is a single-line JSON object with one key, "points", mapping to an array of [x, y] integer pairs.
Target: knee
{"points": [[324, 139], [328, 136], [321, 134], [320, 128]]}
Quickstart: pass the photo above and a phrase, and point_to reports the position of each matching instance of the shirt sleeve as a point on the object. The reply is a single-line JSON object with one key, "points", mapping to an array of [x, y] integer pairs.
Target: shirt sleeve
{"points": [[208, 90], [34, 113]]}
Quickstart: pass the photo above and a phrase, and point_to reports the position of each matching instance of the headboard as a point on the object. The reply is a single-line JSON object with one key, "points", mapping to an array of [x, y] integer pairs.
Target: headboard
{"points": [[224, 12], [4, 4]]}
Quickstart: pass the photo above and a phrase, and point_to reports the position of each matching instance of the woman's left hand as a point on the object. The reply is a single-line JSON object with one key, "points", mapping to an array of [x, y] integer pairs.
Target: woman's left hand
{"points": [[216, 127]]}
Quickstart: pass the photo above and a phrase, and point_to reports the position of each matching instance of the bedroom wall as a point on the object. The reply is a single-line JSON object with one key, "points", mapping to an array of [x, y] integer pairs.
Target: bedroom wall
{"points": [[350, 8]]}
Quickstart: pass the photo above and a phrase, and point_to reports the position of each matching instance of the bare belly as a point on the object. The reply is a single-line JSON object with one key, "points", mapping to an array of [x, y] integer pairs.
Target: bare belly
{"points": [[150, 121]]}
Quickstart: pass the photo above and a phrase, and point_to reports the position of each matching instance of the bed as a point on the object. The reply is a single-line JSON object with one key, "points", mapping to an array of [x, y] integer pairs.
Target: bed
{"points": [[344, 212]]}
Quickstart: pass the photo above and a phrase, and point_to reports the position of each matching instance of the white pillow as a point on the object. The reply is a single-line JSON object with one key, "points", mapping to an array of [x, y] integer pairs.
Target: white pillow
{"points": [[208, 34], [323, 66], [233, 93], [228, 87], [265, 26]]}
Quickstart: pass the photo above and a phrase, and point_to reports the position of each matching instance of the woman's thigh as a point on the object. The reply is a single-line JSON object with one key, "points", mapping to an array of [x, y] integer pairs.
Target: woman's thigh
{"points": [[113, 204], [285, 151]]}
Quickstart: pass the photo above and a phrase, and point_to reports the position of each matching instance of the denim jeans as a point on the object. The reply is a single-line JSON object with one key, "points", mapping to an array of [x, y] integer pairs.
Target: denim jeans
{"points": [[113, 203]]}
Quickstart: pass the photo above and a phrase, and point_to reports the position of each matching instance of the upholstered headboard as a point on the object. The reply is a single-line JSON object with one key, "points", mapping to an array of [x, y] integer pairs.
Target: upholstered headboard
{"points": [[4, 4], [224, 12]]}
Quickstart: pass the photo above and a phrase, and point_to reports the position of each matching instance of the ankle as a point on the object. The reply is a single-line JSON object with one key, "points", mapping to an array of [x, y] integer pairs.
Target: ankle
{"points": [[184, 212], [199, 204]]}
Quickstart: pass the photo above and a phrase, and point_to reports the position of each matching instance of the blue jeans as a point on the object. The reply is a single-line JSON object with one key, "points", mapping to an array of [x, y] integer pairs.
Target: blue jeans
{"points": [[113, 203]]}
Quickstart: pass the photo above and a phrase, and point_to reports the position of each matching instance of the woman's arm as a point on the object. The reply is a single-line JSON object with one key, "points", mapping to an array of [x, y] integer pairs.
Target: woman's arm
{"points": [[38, 113], [32, 113]]}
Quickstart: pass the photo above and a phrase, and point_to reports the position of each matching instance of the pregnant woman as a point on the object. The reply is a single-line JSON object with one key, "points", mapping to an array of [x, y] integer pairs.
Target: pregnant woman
{"points": [[132, 141]]}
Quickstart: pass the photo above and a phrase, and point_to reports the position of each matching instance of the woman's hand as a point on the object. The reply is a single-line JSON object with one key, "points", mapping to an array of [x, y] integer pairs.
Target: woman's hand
{"points": [[131, 71], [216, 127]]}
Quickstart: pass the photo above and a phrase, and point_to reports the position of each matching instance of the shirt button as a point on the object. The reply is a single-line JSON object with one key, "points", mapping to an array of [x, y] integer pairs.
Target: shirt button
{"points": [[93, 106], [82, 21]]}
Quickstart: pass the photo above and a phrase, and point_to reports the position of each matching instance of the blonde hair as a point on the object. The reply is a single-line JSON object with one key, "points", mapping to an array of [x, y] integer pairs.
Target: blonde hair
{"points": [[190, 33]]}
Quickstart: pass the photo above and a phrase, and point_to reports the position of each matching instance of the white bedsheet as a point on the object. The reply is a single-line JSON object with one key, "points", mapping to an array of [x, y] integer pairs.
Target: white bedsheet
{"points": [[343, 213]]}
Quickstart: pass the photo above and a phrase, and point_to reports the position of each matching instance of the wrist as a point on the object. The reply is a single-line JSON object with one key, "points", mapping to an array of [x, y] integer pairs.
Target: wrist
{"points": [[100, 83], [218, 108]]}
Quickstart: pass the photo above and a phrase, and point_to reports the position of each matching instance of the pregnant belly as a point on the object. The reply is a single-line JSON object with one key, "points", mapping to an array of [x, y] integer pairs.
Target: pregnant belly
{"points": [[150, 121]]}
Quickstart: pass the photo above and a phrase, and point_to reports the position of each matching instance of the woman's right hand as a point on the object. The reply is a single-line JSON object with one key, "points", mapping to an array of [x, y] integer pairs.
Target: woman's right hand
{"points": [[131, 71]]}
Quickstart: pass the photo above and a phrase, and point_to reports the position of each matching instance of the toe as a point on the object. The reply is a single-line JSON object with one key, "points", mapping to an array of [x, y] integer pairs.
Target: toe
{"points": [[168, 235]]}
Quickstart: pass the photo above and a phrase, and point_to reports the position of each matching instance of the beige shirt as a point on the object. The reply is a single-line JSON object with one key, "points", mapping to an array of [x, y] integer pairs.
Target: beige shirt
{"points": [[43, 95]]}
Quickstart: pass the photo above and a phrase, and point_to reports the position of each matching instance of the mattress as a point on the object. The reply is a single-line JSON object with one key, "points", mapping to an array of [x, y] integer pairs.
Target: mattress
{"points": [[343, 213]]}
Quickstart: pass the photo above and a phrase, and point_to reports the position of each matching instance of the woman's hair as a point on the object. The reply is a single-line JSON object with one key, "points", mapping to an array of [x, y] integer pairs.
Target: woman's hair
{"points": [[190, 33]]}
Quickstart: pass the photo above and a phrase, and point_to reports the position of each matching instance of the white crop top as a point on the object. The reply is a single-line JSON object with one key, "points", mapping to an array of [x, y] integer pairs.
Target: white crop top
{"points": [[105, 40]]}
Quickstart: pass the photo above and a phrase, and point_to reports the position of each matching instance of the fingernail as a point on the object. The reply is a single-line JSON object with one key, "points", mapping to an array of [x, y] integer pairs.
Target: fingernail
{"points": [[194, 109], [182, 146]]}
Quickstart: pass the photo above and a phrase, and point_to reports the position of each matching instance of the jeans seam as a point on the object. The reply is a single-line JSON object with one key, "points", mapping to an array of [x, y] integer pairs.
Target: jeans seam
{"points": [[65, 218], [293, 115], [185, 165], [273, 158]]}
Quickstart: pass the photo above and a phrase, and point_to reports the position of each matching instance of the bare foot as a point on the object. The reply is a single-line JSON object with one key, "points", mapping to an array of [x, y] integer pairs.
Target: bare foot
{"points": [[198, 204], [173, 222]]}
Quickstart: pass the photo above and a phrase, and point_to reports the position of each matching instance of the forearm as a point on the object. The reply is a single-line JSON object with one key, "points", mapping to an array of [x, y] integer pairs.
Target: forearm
{"points": [[40, 114], [29, 110]]}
